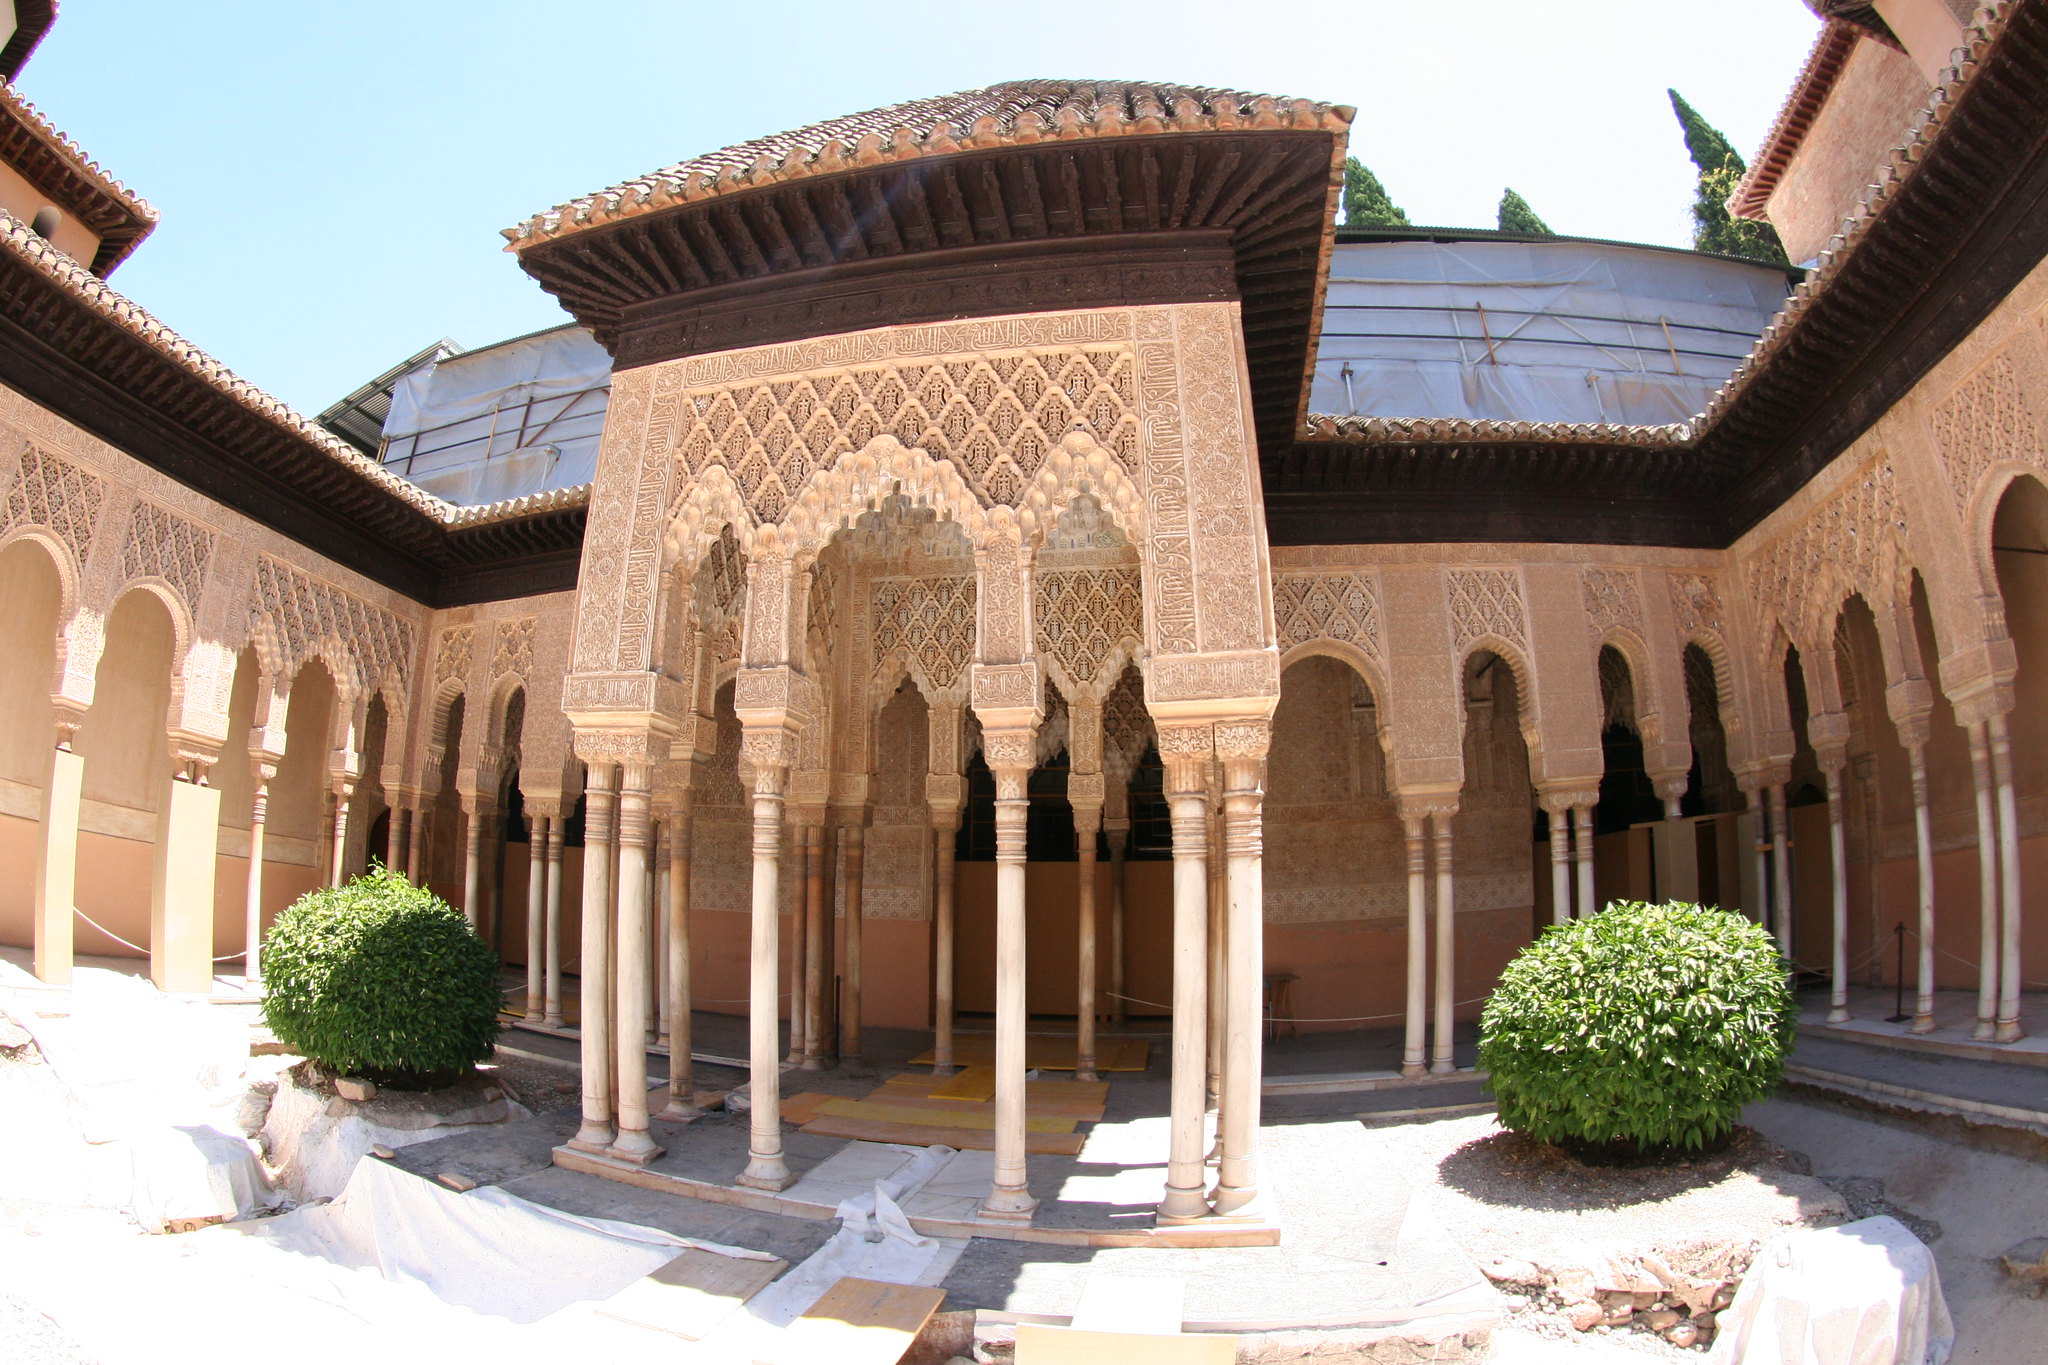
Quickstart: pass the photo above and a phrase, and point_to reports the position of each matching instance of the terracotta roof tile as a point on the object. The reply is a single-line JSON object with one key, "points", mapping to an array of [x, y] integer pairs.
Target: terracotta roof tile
{"points": [[72, 158], [1824, 63], [1001, 115]]}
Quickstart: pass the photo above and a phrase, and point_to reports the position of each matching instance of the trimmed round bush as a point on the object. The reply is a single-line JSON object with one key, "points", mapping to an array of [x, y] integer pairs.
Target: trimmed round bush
{"points": [[383, 979], [1643, 1028]]}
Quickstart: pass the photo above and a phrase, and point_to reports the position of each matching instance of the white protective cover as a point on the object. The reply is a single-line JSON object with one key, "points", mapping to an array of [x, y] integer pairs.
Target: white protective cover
{"points": [[1581, 331], [1864, 1293]]}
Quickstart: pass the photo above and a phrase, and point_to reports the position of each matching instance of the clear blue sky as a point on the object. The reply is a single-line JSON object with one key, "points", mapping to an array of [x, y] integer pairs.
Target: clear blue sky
{"points": [[332, 176]]}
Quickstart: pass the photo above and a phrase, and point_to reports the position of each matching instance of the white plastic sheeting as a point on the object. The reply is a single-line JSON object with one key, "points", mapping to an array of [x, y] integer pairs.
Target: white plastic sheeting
{"points": [[1864, 1293], [505, 421], [1580, 331]]}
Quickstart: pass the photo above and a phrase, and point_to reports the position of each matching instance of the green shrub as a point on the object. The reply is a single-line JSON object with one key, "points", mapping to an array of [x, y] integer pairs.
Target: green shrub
{"points": [[381, 978], [1642, 1028]]}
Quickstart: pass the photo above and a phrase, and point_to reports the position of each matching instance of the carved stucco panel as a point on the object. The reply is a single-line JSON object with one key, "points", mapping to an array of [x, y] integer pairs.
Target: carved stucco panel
{"points": [[1332, 606]]}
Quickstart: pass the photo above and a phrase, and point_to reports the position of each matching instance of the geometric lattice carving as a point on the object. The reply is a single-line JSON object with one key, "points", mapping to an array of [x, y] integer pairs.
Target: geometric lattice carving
{"points": [[1084, 615], [1613, 598], [452, 652], [162, 544], [512, 649], [930, 621], [1485, 602], [1985, 421], [1126, 725], [719, 580], [55, 493], [1857, 535], [995, 417], [1696, 604], [1344, 606], [303, 611]]}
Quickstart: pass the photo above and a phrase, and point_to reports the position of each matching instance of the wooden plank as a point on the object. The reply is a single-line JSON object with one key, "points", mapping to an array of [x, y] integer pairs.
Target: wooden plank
{"points": [[858, 1322], [1150, 1304], [691, 1294], [840, 1107], [975, 1083], [1049, 1053], [1057, 1107], [926, 1135], [802, 1108], [1038, 1344]]}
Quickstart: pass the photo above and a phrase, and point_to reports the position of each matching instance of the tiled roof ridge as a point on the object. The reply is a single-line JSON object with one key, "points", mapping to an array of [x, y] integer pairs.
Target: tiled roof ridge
{"points": [[1005, 114], [1824, 62], [1897, 171], [1465, 430], [75, 280], [71, 152]]}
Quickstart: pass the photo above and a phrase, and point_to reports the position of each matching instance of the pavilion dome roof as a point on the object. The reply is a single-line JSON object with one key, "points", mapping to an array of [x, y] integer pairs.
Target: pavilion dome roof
{"points": [[1008, 113]]}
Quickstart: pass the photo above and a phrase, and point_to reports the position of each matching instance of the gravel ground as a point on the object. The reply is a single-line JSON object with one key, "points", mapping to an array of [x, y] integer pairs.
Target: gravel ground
{"points": [[29, 1338]]}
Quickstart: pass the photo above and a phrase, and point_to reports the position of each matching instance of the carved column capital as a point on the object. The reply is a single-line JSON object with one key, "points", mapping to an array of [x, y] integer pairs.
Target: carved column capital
{"points": [[1186, 751]]}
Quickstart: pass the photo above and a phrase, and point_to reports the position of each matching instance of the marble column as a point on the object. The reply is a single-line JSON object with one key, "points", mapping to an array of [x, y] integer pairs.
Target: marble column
{"points": [[766, 1169], [817, 956], [1560, 816], [1923, 864], [1186, 753], [416, 842], [1781, 868], [57, 854], [682, 1082], [2009, 972], [600, 796], [344, 801], [852, 872], [1838, 899], [1760, 851], [472, 861], [1441, 1058], [1242, 748], [1987, 883], [536, 916], [263, 771], [1118, 836], [1011, 755], [634, 835], [394, 831], [1087, 822], [553, 976], [181, 892], [1213, 1080], [1414, 828], [799, 920], [1582, 828], [945, 833]]}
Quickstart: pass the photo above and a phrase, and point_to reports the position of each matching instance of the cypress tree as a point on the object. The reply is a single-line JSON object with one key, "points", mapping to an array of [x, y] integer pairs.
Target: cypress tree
{"points": [[1720, 168], [1365, 199], [1515, 215]]}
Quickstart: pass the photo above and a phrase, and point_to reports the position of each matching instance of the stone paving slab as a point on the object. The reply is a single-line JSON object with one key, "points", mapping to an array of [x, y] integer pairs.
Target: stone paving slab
{"points": [[1931, 1076]]}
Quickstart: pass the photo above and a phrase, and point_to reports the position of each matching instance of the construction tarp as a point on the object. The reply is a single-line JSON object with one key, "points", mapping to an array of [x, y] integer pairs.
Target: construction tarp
{"points": [[1563, 331], [1864, 1293]]}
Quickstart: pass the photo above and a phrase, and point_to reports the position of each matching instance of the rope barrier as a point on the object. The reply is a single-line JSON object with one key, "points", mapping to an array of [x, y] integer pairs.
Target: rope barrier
{"points": [[137, 947]]}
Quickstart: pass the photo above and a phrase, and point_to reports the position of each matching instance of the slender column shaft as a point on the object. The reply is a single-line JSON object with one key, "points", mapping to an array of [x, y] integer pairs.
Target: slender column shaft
{"points": [[1237, 1181], [344, 798], [415, 844], [1987, 884], [1185, 1168], [252, 927], [553, 977], [1086, 820], [394, 838], [658, 915], [536, 916], [1441, 1059], [472, 865], [635, 831], [1765, 913], [1838, 903], [57, 863], [849, 997], [1781, 868], [1923, 862], [2009, 1030], [1011, 1195], [943, 882], [816, 975], [1412, 1047], [1119, 842], [766, 1169], [595, 1023], [1560, 865], [682, 1082], [1217, 890], [1582, 827]]}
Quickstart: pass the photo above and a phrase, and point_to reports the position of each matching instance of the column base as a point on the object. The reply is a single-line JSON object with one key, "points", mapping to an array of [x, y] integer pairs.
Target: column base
{"points": [[765, 1173], [594, 1138], [1182, 1206], [1239, 1205], [633, 1145], [1085, 1073], [552, 1021], [1011, 1204], [1923, 1023], [680, 1110], [1839, 1014], [1984, 1032], [1413, 1071], [1442, 1066], [2009, 1031]]}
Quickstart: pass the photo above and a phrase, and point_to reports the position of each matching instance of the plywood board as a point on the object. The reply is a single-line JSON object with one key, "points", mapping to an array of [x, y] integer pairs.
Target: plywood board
{"points": [[926, 1135], [858, 1322], [803, 1107], [691, 1294], [1077, 1110], [840, 1107], [1052, 1052], [1038, 1344], [1150, 1304], [974, 1083]]}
